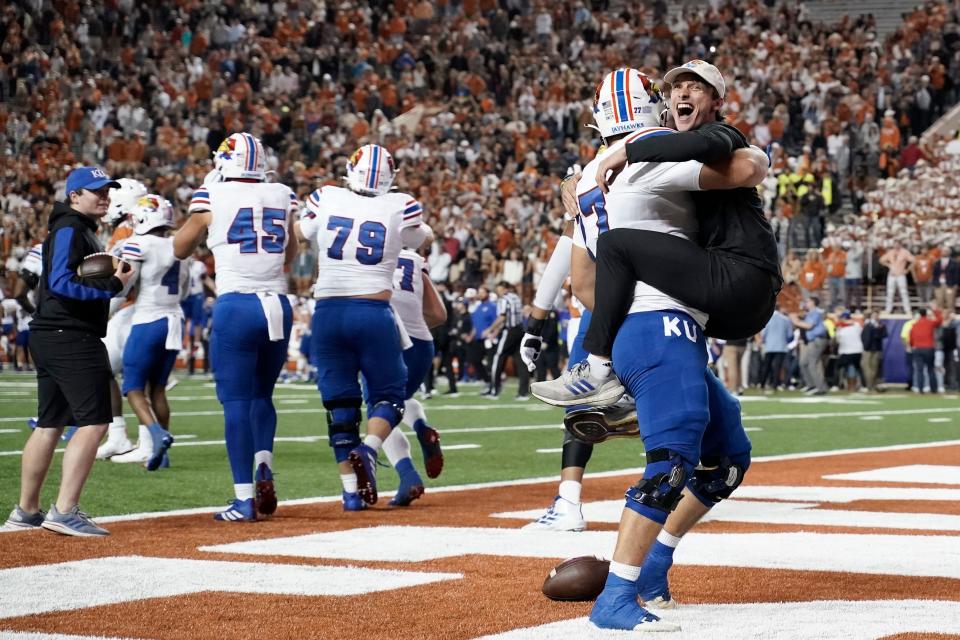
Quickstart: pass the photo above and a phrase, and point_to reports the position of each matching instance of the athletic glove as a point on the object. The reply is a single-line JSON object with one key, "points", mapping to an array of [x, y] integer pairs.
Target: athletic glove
{"points": [[531, 344]]}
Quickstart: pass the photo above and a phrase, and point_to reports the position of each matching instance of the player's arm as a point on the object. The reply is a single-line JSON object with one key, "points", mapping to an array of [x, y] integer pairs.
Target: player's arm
{"points": [[747, 167], [555, 273], [707, 144], [20, 291], [63, 279], [583, 276], [191, 234], [434, 311]]}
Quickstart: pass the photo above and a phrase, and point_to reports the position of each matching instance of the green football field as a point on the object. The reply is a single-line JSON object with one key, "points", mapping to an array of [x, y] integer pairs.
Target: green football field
{"points": [[484, 441]]}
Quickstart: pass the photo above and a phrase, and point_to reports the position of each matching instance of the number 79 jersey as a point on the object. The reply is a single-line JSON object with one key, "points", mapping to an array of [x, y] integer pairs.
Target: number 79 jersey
{"points": [[358, 239], [248, 233]]}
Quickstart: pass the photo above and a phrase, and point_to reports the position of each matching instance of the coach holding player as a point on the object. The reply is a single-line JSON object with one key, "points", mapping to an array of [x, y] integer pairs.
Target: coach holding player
{"points": [[73, 372]]}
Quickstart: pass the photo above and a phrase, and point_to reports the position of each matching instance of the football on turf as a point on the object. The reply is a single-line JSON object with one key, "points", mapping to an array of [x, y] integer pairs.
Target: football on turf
{"points": [[98, 265], [577, 579]]}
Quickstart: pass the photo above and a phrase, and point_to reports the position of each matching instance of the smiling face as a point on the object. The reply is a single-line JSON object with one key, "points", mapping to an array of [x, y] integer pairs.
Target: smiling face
{"points": [[91, 203], [693, 102]]}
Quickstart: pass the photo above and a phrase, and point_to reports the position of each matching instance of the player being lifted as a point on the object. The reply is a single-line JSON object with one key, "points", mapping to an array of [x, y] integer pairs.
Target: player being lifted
{"points": [[156, 334], [359, 232], [247, 223]]}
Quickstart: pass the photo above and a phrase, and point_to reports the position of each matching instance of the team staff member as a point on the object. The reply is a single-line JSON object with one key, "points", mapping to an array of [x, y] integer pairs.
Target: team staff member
{"points": [[73, 371]]}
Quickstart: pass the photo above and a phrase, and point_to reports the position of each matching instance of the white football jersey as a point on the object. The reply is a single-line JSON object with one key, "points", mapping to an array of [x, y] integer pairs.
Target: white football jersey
{"points": [[652, 196], [408, 294], [162, 278], [248, 233], [358, 239], [33, 261], [197, 271]]}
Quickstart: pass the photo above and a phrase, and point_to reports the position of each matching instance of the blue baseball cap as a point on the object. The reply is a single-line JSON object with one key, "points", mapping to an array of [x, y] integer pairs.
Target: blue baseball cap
{"points": [[91, 178]]}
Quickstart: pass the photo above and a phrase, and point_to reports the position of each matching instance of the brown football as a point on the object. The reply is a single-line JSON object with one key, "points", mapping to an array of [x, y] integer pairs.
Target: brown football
{"points": [[577, 579], [98, 265]]}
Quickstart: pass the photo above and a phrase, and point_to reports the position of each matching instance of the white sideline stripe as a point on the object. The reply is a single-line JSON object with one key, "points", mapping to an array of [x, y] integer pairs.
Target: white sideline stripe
{"points": [[560, 450], [871, 417], [631, 471], [939, 419], [850, 414], [844, 494], [819, 620], [902, 555], [81, 584], [9, 430], [456, 447], [919, 473], [767, 512]]}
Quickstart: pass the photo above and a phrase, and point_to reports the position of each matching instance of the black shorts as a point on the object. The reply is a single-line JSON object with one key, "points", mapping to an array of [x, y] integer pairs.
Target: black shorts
{"points": [[73, 378]]}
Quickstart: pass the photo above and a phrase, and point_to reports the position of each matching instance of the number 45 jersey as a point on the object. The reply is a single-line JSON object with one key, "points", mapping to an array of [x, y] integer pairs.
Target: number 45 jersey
{"points": [[358, 239], [248, 233]]}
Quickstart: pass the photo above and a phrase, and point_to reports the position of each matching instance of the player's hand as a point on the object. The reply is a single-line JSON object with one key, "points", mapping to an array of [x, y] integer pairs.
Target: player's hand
{"points": [[568, 193], [613, 164], [124, 272], [530, 347]]}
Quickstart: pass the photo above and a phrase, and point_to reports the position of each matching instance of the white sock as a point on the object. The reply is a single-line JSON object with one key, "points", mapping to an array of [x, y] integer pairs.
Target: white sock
{"points": [[570, 491], [625, 571], [263, 457], [349, 482], [243, 491], [600, 368], [668, 539], [396, 446], [413, 411], [145, 441], [372, 441], [117, 429]]}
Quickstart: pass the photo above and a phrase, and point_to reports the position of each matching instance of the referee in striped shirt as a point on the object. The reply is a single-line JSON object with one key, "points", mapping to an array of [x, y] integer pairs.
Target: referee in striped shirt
{"points": [[509, 328]]}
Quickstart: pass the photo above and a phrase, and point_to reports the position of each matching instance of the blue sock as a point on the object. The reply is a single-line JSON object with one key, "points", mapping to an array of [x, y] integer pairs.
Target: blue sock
{"points": [[239, 437], [653, 575], [404, 467]]}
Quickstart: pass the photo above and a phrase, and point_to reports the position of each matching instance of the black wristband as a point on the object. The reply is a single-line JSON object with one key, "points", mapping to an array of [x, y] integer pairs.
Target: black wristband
{"points": [[535, 326]]}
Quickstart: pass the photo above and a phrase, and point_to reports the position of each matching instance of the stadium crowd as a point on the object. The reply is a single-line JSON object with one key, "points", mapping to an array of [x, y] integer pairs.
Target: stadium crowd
{"points": [[484, 104]]}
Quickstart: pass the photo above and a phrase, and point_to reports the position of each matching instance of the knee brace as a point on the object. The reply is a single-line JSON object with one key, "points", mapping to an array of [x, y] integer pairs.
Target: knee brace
{"points": [[658, 493], [386, 410], [717, 477], [343, 426]]}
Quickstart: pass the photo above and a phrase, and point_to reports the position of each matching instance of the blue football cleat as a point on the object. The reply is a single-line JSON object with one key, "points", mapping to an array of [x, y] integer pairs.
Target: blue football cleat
{"points": [[352, 502], [266, 496], [653, 586], [165, 462], [68, 433], [617, 608], [411, 488], [363, 459], [162, 440], [32, 423], [238, 511]]}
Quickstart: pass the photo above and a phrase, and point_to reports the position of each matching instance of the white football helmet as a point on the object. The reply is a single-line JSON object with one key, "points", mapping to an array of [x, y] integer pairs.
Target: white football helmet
{"points": [[241, 156], [124, 199], [625, 101], [152, 211], [371, 170]]}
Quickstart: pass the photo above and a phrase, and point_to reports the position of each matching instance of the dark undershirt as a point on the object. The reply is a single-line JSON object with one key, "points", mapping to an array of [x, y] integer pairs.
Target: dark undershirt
{"points": [[730, 220]]}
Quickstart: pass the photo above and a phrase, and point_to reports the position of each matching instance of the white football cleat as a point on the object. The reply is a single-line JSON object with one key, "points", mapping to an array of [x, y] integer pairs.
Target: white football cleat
{"points": [[660, 603], [140, 455], [114, 447], [562, 515]]}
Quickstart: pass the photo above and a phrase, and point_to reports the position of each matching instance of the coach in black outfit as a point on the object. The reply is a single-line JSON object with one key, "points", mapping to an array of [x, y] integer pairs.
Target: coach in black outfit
{"points": [[73, 372], [733, 273]]}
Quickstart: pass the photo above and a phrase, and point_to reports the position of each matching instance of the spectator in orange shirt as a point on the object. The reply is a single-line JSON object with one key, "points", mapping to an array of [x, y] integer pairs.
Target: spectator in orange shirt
{"points": [[836, 263], [923, 342], [922, 269], [812, 274]]}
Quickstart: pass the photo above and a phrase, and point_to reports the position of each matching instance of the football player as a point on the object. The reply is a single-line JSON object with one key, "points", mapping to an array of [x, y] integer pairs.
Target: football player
{"points": [[156, 332], [28, 278], [123, 201], [359, 231], [247, 223], [193, 307], [419, 307]]}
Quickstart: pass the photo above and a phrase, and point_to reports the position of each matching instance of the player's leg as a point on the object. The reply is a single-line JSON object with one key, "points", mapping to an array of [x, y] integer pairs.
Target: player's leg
{"points": [[724, 460], [238, 327], [418, 359], [337, 369], [263, 415], [497, 364], [118, 330], [664, 373]]}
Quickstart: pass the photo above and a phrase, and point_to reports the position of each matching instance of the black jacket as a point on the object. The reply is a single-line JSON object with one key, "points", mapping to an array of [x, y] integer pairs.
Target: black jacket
{"points": [[873, 335], [731, 220], [951, 272], [64, 299]]}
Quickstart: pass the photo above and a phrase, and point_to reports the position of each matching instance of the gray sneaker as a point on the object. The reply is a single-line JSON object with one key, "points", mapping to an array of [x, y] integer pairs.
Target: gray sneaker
{"points": [[20, 519], [577, 386], [72, 523]]}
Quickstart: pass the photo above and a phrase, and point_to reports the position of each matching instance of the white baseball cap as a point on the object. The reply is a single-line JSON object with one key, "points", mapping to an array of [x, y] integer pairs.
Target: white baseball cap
{"points": [[703, 69]]}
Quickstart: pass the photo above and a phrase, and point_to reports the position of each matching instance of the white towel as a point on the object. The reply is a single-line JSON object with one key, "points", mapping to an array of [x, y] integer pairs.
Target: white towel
{"points": [[405, 341], [174, 333], [274, 314]]}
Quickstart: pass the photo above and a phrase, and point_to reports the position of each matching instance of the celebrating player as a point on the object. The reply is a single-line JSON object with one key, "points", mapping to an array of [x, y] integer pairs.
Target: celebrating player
{"points": [[247, 223], [156, 334], [360, 231]]}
